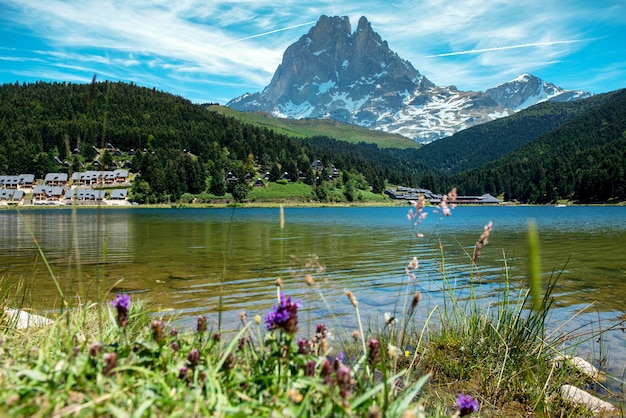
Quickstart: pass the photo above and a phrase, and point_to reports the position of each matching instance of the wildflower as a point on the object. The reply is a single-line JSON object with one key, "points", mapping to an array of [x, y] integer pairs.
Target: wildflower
{"points": [[242, 342], [243, 317], [122, 305], [374, 351], [229, 362], [326, 372], [303, 346], [183, 372], [308, 279], [217, 337], [352, 298], [393, 351], [175, 346], [310, 368], [95, 349], [110, 363], [413, 264], [344, 381], [482, 241], [193, 358], [284, 315], [356, 335], [174, 332], [201, 324], [295, 396], [321, 330], [158, 331], [279, 282], [466, 404], [417, 297], [319, 342], [390, 319], [257, 319]]}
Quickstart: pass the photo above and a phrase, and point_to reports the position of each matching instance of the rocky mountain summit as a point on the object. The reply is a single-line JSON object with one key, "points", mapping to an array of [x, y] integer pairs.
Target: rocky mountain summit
{"points": [[354, 77]]}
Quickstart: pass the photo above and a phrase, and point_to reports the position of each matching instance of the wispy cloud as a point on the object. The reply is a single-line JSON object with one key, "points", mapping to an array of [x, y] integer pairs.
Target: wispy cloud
{"points": [[502, 48], [271, 32]]}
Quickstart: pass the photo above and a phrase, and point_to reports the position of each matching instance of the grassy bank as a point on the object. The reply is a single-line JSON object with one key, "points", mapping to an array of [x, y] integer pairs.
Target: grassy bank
{"points": [[472, 354]]}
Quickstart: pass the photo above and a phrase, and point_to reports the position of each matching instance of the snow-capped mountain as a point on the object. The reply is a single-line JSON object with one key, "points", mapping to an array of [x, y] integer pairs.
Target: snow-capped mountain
{"points": [[354, 77], [526, 90]]}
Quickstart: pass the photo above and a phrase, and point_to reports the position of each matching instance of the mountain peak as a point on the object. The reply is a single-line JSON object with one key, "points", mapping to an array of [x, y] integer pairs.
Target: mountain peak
{"points": [[354, 77], [334, 25], [364, 24]]}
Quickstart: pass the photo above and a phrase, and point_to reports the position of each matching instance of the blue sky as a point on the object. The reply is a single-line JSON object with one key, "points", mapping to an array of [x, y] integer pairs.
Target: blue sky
{"points": [[216, 50]]}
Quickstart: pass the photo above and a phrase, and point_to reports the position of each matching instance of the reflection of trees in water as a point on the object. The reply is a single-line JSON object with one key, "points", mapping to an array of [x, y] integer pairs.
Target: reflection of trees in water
{"points": [[97, 234]]}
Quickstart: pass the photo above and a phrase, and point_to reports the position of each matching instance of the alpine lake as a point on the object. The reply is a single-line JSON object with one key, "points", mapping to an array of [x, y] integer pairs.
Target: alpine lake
{"points": [[219, 262]]}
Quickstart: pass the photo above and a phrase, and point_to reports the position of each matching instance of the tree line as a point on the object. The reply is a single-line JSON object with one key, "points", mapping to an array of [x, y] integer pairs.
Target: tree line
{"points": [[180, 147], [548, 152]]}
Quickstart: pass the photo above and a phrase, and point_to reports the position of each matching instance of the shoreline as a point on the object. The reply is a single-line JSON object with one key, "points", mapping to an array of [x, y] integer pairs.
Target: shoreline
{"points": [[217, 205]]}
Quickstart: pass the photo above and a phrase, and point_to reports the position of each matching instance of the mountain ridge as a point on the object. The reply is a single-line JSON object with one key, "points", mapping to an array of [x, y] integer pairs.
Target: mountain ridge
{"points": [[354, 77]]}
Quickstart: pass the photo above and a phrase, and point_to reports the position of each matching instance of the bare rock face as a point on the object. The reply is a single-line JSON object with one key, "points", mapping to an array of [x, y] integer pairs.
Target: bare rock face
{"points": [[354, 77]]}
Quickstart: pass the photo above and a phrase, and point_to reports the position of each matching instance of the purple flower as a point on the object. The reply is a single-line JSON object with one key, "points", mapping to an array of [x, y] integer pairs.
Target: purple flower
{"points": [[121, 301], [284, 315], [466, 404], [122, 305]]}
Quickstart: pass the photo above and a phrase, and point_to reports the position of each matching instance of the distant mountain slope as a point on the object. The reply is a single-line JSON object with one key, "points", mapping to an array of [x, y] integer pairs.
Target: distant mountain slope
{"points": [[487, 142], [582, 160], [354, 77], [527, 90], [305, 128]]}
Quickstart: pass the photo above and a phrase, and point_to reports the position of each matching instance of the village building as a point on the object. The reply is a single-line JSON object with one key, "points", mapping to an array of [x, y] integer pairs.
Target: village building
{"points": [[11, 197], [55, 179], [411, 194], [47, 195], [84, 196]]}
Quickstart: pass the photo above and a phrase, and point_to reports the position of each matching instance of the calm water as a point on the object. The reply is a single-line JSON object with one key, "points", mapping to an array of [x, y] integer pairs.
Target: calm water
{"points": [[182, 260]]}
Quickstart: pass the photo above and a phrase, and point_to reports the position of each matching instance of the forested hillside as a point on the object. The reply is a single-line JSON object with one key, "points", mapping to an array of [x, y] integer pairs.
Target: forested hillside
{"points": [[552, 151], [481, 144], [189, 149], [583, 160]]}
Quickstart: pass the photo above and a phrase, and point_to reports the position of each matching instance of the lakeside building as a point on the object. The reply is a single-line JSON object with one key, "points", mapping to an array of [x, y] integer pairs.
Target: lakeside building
{"points": [[410, 194]]}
